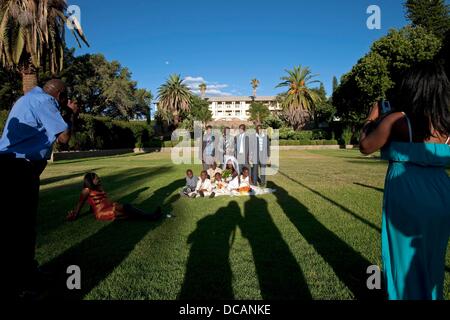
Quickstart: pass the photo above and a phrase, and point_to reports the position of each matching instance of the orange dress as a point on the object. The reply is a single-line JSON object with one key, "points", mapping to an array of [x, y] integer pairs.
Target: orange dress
{"points": [[103, 208]]}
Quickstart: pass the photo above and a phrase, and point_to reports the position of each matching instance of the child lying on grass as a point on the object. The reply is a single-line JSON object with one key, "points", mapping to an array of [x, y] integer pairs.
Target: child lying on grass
{"points": [[103, 208]]}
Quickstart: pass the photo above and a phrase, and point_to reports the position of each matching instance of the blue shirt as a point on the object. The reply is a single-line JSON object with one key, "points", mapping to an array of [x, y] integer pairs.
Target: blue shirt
{"points": [[32, 126]]}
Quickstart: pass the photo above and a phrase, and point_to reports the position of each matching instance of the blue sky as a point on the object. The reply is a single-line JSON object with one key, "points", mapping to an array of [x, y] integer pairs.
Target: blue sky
{"points": [[229, 42]]}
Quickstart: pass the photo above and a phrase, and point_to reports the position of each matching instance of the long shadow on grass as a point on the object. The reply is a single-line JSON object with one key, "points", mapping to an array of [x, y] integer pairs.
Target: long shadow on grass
{"points": [[54, 202], [348, 264], [345, 209], [369, 187], [279, 275], [98, 255], [208, 272], [55, 179]]}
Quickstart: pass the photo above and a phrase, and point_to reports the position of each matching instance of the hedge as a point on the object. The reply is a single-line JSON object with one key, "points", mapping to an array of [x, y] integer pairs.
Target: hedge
{"points": [[3, 118], [308, 142], [101, 133], [290, 134]]}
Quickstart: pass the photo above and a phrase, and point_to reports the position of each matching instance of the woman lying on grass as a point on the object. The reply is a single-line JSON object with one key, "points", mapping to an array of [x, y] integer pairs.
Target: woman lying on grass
{"points": [[103, 208]]}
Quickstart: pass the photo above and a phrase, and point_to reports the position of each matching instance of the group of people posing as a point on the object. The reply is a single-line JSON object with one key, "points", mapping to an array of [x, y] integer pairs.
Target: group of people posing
{"points": [[231, 165]]}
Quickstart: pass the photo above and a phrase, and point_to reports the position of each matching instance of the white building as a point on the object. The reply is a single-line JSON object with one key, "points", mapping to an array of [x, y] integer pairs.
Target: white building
{"points": [[237, 108]]}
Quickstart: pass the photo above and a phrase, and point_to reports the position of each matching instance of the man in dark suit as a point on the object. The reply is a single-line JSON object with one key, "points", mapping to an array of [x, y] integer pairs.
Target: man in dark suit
{"points": [[225, 146], [242, 148], [260, 156]]}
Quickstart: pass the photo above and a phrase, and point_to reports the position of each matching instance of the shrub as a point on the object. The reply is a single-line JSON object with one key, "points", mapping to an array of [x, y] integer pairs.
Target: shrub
{"points": [[320, 134], [273, 122], [308, 142], [3, 118], [347, 136], [104, 133]]}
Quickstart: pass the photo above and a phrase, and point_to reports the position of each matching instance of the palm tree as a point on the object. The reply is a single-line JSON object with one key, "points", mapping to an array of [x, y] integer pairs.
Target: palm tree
{"points": [[203, 88], [32, 35], [255, 84], [299, 100], [174, 97]]}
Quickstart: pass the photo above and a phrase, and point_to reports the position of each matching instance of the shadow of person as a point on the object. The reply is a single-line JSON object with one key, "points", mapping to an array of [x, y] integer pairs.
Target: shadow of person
{"points": [[33, 137], [279, 275], [348, 265], [208, 272], [369, 187], [98, 255]]}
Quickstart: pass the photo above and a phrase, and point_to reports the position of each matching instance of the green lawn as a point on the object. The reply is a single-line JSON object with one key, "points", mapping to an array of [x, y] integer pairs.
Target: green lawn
{"points": [[314, 238]]}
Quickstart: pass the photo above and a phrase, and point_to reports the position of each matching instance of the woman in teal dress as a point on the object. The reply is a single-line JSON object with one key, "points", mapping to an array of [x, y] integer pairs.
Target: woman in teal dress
{"points": [[416, 208]]}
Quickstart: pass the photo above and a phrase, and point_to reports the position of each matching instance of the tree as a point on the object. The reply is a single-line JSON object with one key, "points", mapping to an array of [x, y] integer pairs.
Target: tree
{"points": [[433, 15], [143, 104], [10, 89], [255, 84], [299, 100], [377, 74], [258, 112], [335, 83], [203, 88], [324, 110], [33, 37], [199, 110], [174, 97]]}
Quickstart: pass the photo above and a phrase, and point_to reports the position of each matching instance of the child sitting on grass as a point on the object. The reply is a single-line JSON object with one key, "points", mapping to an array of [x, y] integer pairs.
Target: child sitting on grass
{"points": [[204, 187], [103, 208], [213, 171], [191, 183], [220, 186], [243, 185]]}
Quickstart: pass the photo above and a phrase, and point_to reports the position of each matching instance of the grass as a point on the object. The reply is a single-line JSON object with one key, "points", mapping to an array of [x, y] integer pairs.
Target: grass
{"points": [[313, 239]]}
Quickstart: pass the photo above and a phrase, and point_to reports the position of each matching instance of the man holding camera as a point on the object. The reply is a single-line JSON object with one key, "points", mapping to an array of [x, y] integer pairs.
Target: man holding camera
{"points": [[34, 124]]}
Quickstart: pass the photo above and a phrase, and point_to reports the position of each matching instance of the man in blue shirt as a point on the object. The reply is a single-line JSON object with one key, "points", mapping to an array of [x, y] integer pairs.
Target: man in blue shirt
{"points": [[34, 124]]}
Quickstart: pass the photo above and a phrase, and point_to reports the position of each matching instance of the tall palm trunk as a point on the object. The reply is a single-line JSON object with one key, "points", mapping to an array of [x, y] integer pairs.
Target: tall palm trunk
{"points": [[29, 81], [29, 76]]}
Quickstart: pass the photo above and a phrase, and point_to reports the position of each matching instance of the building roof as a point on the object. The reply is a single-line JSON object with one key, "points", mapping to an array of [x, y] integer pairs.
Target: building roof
{"points": [[241, 98]]}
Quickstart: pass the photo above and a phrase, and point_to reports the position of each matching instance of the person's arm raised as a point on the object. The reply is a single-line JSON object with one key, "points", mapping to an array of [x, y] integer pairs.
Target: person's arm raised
{"points": [[378, 138], [64, 137]]}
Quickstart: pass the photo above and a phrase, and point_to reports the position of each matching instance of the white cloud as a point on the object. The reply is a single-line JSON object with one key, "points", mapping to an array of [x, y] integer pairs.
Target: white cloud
{"points": [[213, 88]]}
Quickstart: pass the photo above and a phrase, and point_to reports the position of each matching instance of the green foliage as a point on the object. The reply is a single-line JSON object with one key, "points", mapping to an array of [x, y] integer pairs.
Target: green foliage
{"points": [[324, 110], [200, 110], [258, 112], [290, 134], [174, 98], [105, 88], [3, 118], [32, 34], [96, 133], [380, 70], [299, 100], [347, 136], [273, 122], [335, 83], [10, 89], [308, 142], [433, 15]]}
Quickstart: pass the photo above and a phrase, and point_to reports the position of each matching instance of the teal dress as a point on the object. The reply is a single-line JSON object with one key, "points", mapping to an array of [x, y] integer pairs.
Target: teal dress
{"points": [[416, 220]]}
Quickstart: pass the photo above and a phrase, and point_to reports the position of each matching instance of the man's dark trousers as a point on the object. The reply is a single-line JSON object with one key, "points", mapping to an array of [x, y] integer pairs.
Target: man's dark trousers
{"points": [[19, 203]]}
